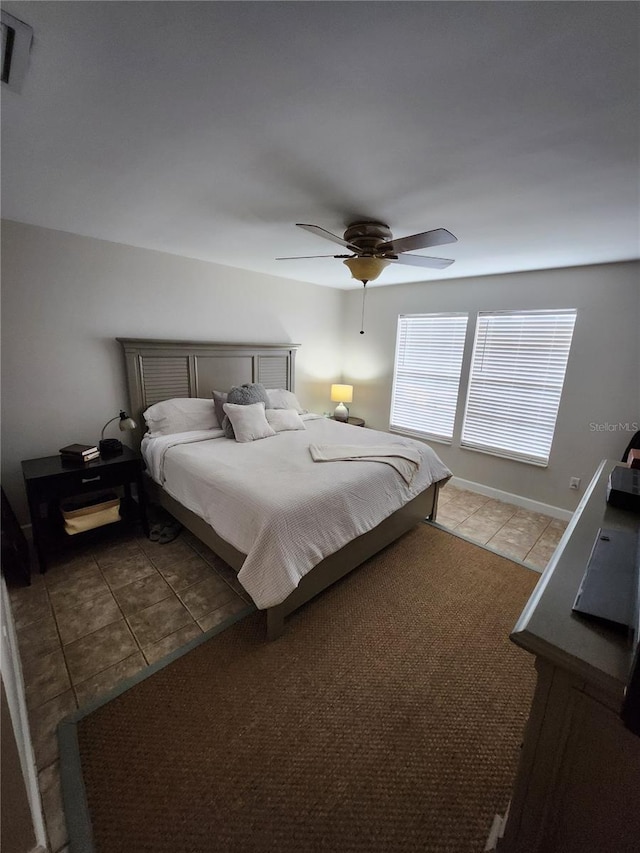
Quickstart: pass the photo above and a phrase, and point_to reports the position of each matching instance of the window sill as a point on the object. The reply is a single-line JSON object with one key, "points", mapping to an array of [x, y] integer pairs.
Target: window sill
{"points": [[422, 435], [537, 464]]}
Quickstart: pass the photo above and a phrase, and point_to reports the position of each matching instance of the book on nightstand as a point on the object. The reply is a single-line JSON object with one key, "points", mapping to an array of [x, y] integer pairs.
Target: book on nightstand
{"points": [[79, 452], [72, 459]]}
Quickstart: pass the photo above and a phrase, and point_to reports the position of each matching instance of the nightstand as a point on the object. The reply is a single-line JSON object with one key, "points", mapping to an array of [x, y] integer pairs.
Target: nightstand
{"points": [[50, 479], [352, 421]]}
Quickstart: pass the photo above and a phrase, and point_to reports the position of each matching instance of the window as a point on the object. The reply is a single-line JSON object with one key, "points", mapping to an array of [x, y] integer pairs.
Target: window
{"points": [[429, 350], [517, 374]]}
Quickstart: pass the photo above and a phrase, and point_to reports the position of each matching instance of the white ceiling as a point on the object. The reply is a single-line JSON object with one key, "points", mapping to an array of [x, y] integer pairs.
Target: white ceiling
{"points": [[209, 129]]}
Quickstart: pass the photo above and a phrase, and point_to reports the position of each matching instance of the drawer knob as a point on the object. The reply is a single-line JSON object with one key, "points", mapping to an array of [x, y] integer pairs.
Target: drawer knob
{"points": [[90, 479]]}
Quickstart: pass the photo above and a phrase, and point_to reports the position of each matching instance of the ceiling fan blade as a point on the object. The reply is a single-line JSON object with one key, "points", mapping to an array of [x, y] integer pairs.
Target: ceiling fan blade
{"points": [[422, 261], [302, 257], [322, 232], [437, 237]]}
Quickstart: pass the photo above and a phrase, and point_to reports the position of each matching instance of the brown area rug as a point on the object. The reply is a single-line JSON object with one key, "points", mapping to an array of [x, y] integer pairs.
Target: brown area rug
{"points": [[387, 718]]}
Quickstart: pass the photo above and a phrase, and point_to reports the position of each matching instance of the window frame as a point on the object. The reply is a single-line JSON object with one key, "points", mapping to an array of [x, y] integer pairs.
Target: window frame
{"points": [[462, 332], [551, 381]]}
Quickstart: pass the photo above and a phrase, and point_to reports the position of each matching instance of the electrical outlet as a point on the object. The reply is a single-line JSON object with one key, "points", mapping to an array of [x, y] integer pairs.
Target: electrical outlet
{"points": [[574, 483]]}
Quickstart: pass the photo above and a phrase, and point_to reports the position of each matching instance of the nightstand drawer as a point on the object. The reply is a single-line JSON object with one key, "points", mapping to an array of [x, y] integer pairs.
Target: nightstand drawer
{"points": [[73, 481]]}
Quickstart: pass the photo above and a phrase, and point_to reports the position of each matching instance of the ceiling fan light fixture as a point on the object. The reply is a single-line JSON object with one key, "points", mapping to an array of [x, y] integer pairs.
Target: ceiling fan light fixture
{"points": [[366, 268]]}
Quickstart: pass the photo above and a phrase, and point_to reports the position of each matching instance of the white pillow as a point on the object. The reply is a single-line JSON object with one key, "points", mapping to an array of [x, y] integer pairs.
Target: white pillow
{"points": [[280, 398], [284, 419], [249, 422], [181, 414]]}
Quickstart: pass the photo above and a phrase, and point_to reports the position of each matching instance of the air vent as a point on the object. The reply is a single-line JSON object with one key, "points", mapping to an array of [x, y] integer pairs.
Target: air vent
{"points": [[16, 44]]}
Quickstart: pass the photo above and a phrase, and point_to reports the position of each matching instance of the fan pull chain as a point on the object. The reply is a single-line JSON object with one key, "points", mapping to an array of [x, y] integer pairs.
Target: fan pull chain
{"points": [[364, 294]]}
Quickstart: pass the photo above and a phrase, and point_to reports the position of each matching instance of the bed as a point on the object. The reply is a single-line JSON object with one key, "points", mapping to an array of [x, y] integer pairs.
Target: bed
{"points": [[288, 525]]}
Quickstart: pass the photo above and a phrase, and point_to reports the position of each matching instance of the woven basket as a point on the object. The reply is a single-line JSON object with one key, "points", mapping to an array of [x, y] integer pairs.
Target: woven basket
{"points": [[87, 512]]}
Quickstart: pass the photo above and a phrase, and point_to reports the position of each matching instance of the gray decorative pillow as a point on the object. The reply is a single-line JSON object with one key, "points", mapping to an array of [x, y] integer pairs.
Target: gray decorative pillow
{"points": [[219, 399], [244, 395]]}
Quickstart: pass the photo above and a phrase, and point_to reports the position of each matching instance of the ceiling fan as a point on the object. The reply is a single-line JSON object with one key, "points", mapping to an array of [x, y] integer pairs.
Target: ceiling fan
{"points": [[373, 247]]}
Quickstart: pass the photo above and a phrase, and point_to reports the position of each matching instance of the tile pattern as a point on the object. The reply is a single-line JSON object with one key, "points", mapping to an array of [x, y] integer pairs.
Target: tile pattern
{"points": [[515, 532], [100, 615]]}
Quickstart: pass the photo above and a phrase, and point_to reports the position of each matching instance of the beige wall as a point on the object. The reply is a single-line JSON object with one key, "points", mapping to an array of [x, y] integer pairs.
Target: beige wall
{"points": [[602, 380], [66, 298]]}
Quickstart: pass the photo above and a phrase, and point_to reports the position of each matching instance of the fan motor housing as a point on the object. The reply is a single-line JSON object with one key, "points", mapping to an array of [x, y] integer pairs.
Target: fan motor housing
{"points": [[367, 236]]}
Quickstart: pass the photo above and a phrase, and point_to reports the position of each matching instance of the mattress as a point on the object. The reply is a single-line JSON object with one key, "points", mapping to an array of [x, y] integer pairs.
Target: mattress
{"points": [[271, 501]]}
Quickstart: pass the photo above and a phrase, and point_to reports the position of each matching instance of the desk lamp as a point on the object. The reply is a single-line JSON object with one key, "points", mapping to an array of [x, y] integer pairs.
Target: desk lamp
{"points": [[111, 446]]}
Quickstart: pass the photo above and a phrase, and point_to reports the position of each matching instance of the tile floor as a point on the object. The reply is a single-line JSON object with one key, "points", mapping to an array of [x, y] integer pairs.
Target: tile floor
{"points": [[102, 614], [98, 617], [515, 532]]}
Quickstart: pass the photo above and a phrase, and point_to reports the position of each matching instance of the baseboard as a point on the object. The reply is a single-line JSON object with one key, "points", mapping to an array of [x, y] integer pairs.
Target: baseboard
{"points": [[507, 497]]}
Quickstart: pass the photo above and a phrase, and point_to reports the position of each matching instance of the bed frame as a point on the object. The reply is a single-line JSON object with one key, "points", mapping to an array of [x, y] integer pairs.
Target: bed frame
{"points": [[159, 370]]}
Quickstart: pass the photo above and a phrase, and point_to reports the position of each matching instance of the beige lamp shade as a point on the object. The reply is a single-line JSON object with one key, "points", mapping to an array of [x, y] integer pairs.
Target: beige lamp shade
{"points": [[342, 393], [366, 269]]}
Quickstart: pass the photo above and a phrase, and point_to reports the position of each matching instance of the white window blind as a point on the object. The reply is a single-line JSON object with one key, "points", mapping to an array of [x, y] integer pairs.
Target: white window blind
{"points": [[517, 374], [429, 350]]}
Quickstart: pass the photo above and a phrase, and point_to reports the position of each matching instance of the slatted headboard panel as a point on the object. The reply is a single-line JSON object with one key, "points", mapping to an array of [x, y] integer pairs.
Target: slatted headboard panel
{"points": [[159, 370], [164, 376]]}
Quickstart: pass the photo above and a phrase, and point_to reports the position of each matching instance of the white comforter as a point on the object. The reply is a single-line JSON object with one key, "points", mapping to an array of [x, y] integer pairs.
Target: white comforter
{"points": [[272, 502]]}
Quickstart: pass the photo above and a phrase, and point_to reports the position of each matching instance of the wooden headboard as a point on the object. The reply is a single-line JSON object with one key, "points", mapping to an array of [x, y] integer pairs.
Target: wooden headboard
{"points": [[160, 370]]}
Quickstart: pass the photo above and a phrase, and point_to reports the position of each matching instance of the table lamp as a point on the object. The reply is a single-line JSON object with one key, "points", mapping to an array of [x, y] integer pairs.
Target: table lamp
{"points": [[111, 446], [341, 394]]}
